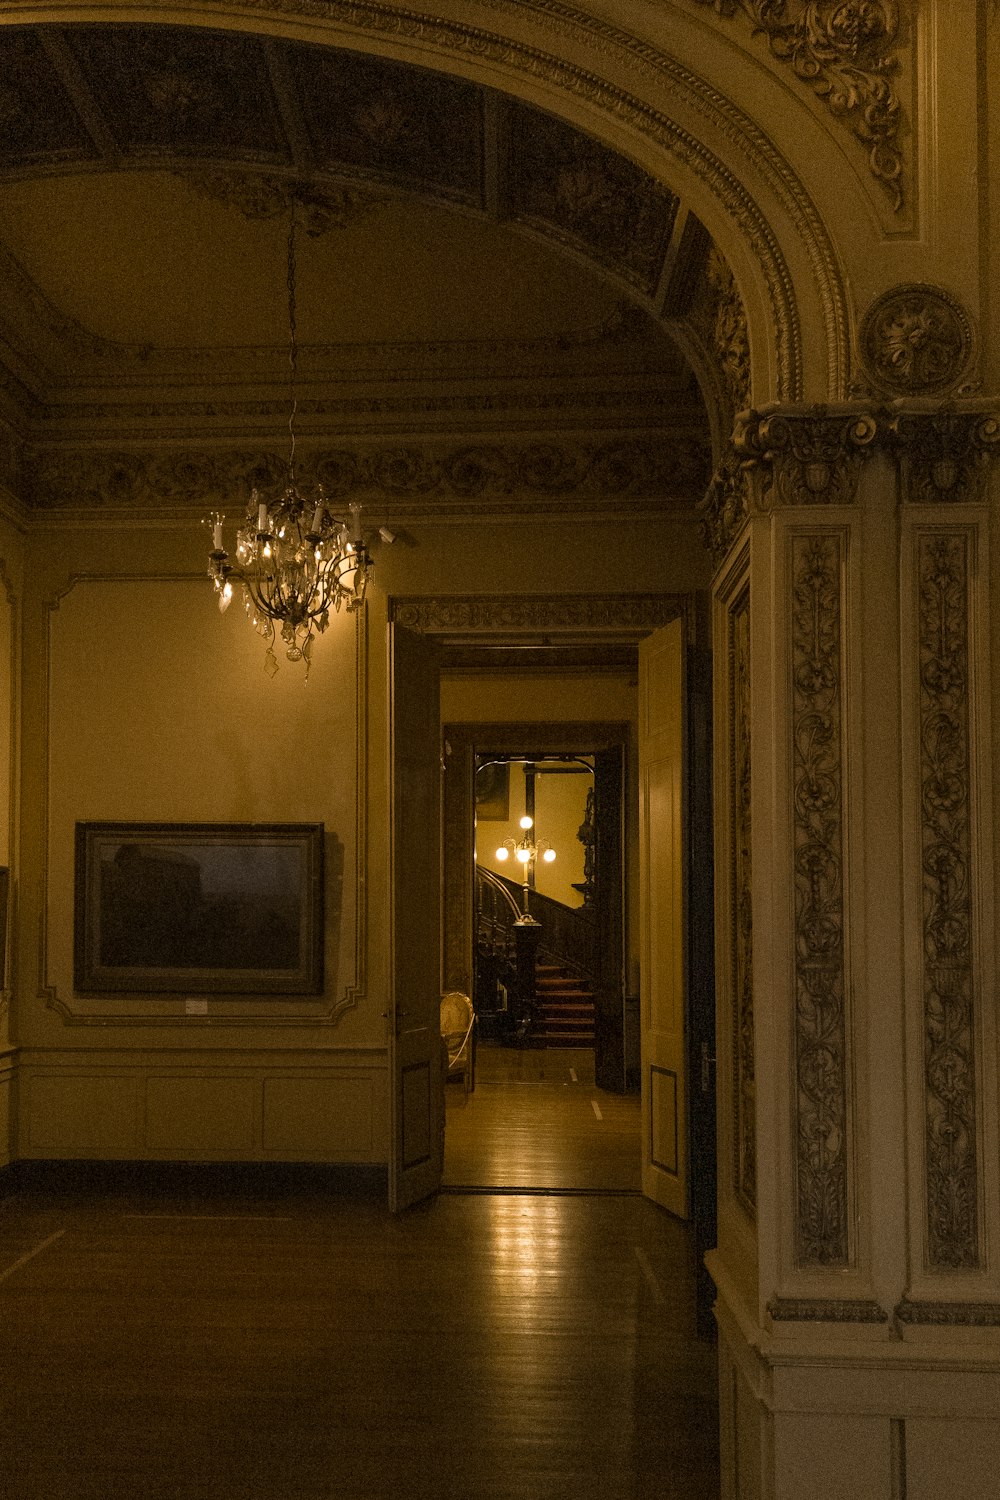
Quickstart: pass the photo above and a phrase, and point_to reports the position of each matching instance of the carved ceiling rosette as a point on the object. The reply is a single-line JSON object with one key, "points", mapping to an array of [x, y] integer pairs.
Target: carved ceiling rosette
{"points": [[944, 455], [916, 340], [821, 1233]]}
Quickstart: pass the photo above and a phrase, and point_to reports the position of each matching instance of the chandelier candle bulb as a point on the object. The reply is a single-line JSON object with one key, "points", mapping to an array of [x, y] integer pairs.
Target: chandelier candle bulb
{"points": [[217, 534], [317, 522], [262, 517]]}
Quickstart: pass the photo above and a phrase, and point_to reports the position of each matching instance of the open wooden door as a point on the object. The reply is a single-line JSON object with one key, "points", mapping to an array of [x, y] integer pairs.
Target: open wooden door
{"points": [[662, 919], [415, 858], [609, 979]]}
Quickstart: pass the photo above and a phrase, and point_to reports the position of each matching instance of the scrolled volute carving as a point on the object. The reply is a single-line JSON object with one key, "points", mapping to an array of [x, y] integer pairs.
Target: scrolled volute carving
{"points": [[814, 454], [944, 455]]}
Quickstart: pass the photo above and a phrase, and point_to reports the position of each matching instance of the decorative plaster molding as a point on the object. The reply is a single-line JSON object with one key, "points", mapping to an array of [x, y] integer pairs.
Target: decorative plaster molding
{"points": [[629, 615], [916, 340], [741, 906], [724, 184], [551, 472], [724, 509], [825, 1310], [843, 50], [814, 454], [944, 455], [821, 1065], [953, 1236], [718, 315], [265, 195], [949, 1314]]}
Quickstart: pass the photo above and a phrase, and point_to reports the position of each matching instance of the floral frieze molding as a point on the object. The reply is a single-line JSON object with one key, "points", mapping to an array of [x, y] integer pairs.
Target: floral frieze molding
{"points": [[843, 50]]}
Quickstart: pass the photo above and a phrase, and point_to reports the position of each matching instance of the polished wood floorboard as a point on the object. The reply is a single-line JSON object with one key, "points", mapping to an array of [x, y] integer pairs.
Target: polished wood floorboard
{"points": [[241, 1342], [535, 1119]]}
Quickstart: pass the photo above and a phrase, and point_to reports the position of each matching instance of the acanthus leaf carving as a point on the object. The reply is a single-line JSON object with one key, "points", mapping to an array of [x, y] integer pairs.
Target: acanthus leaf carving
{"points": [[946, 835], [821, 1236], [843, 50], [814, 453], [944, 455]]}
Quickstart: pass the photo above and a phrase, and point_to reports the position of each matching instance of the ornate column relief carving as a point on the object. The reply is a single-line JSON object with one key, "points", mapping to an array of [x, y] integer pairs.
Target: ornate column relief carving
{"points": [[953, 1239], [744, 1084], [821, 1236], [814, 453], [944, 454]]}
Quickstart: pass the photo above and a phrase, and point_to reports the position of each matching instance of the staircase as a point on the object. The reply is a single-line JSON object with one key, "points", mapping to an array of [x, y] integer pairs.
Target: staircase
{"points": [[564, 1008]]}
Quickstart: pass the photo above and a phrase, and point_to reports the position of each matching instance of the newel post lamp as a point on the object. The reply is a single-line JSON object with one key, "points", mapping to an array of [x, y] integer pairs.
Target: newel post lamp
{"points": [[526, 851]]}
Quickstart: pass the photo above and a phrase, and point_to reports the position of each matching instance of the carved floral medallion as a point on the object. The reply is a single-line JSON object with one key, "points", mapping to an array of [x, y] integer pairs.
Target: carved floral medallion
{"points": [[916, 340]]}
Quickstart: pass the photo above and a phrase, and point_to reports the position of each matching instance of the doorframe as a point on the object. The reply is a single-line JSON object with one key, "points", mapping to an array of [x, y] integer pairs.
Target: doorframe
{"points": [[567, 630]]}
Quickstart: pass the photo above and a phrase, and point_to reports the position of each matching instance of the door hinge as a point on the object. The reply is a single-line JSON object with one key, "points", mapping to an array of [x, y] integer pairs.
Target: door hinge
{"points": [[707, 1063]]}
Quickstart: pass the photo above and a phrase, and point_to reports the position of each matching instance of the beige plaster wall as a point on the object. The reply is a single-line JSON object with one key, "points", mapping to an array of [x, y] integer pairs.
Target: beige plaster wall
{"points": [[141, 703]]}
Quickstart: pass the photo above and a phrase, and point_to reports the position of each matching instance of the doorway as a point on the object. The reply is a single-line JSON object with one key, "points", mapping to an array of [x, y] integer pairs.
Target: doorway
{"points": [[552, 1108]]}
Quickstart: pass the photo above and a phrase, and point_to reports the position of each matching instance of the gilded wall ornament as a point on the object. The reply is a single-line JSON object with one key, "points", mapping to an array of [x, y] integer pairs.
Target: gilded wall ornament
{"points": [[843, 50], [741, 905], [916, 340], [946, 837], [821, 1234]]}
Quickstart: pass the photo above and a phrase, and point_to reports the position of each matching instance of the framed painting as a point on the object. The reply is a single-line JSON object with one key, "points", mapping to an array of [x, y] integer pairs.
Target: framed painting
{"points": [[199, 908]]}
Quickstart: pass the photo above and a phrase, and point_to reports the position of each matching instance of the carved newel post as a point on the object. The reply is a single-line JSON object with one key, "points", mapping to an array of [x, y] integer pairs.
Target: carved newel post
{"points": [[859, 1203]]}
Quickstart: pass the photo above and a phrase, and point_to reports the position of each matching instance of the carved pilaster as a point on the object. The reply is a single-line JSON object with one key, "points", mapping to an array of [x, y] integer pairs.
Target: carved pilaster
{"points": [[821, 1233], [744, 1084], [949, 999]]}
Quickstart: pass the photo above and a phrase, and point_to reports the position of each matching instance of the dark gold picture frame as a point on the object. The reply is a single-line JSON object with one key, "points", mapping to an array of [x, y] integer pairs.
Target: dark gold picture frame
{"points": [[199, 908]]}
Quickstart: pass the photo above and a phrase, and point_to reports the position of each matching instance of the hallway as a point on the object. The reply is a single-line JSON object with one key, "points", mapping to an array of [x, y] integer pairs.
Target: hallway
{"points": [[223, 1334]]}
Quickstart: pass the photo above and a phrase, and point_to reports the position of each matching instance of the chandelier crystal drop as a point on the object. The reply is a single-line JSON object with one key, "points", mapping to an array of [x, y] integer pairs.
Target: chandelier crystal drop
{"points": [[295, 559]]}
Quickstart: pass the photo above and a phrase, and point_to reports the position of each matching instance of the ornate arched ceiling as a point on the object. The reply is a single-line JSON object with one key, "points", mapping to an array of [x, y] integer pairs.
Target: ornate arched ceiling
{"points": [[490, 301]]}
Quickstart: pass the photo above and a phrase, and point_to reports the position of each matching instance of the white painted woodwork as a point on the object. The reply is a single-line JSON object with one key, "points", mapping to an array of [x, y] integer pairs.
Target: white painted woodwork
{"points": [[661, 918], [415, 862]]}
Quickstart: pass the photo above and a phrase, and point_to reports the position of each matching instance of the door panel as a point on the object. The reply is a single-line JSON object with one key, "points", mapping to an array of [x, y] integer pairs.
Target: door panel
{"points": [[609, 980], [415, 855], [661, 919]]}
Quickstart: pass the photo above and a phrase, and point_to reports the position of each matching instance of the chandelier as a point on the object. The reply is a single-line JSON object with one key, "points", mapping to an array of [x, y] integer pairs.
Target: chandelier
{"points": [[526, 852], [295, 560]]}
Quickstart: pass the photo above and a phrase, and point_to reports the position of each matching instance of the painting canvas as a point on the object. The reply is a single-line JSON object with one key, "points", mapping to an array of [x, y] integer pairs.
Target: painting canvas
{"points": [[209, 908], [493, 792]]}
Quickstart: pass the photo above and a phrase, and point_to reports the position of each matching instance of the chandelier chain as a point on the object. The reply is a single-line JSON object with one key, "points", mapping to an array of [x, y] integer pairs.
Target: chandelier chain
{"points": [[293, 345]]}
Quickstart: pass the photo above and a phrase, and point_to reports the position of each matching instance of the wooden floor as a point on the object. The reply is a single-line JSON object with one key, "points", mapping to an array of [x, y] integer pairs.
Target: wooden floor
{"points": [[263, 1336], [536, 1120]]}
